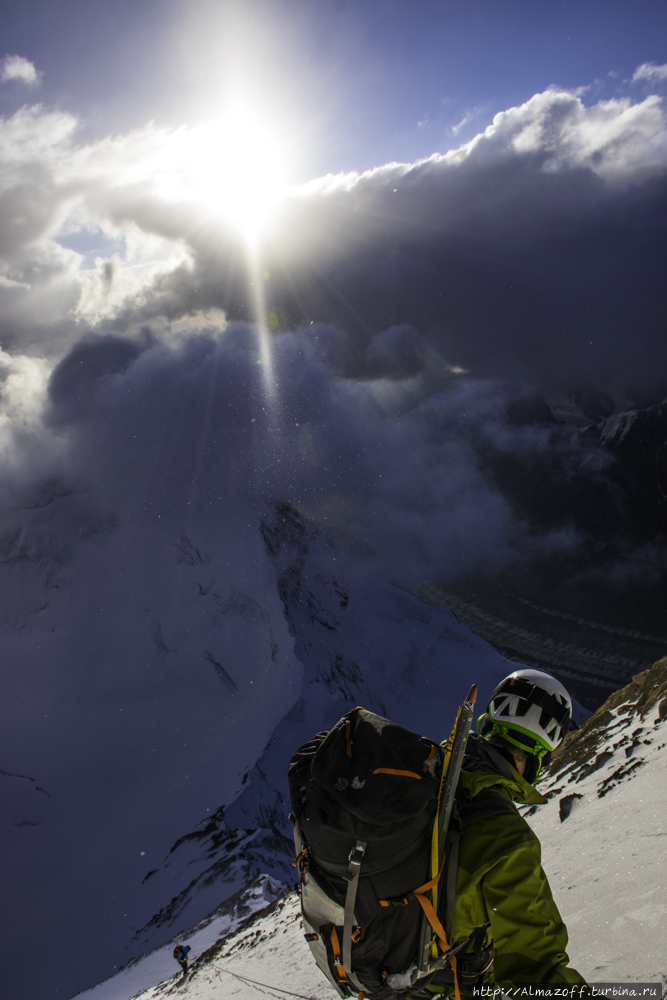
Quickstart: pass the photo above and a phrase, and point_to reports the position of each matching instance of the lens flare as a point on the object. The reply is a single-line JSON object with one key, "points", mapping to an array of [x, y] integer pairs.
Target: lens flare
{"points": [[237, 166]]}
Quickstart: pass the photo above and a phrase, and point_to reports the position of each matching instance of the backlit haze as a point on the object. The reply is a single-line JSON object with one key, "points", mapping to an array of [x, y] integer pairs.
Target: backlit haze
{"points": [[377, 263]]}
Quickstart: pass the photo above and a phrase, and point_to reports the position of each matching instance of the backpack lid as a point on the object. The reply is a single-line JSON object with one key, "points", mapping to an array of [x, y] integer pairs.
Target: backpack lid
{"points": [[369, 779]]}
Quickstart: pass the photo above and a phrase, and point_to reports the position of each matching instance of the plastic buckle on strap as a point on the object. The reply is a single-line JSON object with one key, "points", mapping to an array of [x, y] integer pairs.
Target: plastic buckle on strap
{"points": [[356, 856], [354, 870]]}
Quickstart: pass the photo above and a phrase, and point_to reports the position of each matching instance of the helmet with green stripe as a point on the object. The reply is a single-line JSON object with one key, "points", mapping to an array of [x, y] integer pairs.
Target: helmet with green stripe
{"points": [[531, 710]]}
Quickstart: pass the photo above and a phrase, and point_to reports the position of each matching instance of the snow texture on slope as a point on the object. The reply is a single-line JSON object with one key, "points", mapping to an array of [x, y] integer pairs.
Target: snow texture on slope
{"points": [[604, 835], [159, 964]]}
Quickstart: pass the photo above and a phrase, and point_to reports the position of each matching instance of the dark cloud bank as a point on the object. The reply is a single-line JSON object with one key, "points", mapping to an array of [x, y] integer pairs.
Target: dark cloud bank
{"points": [[428, 476], [538, 253]]}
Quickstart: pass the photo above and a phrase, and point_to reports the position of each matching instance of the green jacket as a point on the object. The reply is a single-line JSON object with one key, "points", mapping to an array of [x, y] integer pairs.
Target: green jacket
{"points": [[500, 881]]}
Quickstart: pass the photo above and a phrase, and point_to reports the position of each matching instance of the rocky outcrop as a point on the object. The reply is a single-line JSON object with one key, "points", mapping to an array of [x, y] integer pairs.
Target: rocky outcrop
{"points": [[584, 751]]}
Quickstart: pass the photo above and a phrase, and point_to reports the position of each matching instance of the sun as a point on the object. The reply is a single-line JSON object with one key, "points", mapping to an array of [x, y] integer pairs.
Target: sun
{"points": [[237, 166]]}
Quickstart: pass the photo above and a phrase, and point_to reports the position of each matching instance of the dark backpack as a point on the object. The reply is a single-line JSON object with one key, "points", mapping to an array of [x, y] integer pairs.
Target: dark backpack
{"points": [[364, 799]]}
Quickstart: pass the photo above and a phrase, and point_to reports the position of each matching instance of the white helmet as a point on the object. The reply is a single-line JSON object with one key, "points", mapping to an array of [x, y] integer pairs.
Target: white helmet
{"points": [[530, 709]]}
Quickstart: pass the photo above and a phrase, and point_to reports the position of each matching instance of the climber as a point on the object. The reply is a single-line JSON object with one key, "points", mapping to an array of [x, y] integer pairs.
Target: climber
{"points": [[503, 900], [181, 955]]}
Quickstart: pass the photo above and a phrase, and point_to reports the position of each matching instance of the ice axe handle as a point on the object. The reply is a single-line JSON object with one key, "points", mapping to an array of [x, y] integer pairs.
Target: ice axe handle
{"points": [[458, 745]]}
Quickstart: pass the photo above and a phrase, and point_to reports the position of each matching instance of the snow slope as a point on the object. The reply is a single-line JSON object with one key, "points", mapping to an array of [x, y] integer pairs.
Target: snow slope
{"points": [[604, 840], [269, 950], [159, 964], [604, 834]]}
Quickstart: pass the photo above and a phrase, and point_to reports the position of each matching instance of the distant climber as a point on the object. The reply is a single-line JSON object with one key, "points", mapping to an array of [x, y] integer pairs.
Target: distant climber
{"points": [[181, 955]]}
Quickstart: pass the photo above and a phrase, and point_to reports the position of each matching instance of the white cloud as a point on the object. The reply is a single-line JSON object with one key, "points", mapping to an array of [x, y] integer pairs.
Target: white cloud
{"points": [[649, 71], [19, 68], [467, 118], [617, 139]]}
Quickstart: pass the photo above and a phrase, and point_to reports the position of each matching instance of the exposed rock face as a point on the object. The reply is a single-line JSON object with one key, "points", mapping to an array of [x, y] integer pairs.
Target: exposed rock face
{"points": [[585, 751]]}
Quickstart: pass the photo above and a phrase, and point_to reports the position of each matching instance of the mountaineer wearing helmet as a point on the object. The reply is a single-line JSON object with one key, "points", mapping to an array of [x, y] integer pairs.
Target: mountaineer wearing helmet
{"points": [[502, 898]]}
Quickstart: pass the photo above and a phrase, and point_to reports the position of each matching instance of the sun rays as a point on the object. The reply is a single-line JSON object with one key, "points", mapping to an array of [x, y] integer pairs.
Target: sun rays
{"points": [[237, 167]]}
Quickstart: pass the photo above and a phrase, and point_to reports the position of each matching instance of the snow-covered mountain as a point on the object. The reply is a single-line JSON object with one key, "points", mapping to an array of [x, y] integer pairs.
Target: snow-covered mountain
{"points": [[603, 833], [361, 642], [158, 679]]}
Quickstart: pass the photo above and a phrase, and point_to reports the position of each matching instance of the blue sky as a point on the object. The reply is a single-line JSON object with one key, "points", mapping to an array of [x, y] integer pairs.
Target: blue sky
{"points": [[354, 83]]}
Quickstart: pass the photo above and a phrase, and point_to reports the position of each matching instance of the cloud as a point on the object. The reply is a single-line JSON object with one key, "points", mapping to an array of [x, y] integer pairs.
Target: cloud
{"points": [[19, 68], [529, 252], [394, 470], [467, 118], [518, 254], [650, 71], [528, 257]]}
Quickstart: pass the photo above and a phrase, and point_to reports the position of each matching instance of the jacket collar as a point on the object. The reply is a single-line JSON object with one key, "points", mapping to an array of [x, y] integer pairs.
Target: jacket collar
{"points": [[485, 767]]}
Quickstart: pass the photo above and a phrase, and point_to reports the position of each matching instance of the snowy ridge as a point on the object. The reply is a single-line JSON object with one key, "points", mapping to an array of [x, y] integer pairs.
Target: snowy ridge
{"points": [[604, 839]]}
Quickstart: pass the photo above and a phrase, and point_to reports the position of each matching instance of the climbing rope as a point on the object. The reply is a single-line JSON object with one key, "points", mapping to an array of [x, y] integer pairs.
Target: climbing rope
{"points": [[266, 986]]}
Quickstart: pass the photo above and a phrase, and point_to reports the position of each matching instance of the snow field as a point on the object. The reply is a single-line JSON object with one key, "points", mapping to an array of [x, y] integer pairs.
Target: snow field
{"points": [[270, 951], [158, 965], [607, 860]]}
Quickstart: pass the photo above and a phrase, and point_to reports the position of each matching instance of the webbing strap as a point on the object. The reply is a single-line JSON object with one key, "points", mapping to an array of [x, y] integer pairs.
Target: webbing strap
{"points": [[335, 947], [392, 770], [354, 868], [432, 918], [452, 868], [536, 696], [429, 912], [427, 762], [296, 831], [434, 881], [457, 993]]}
